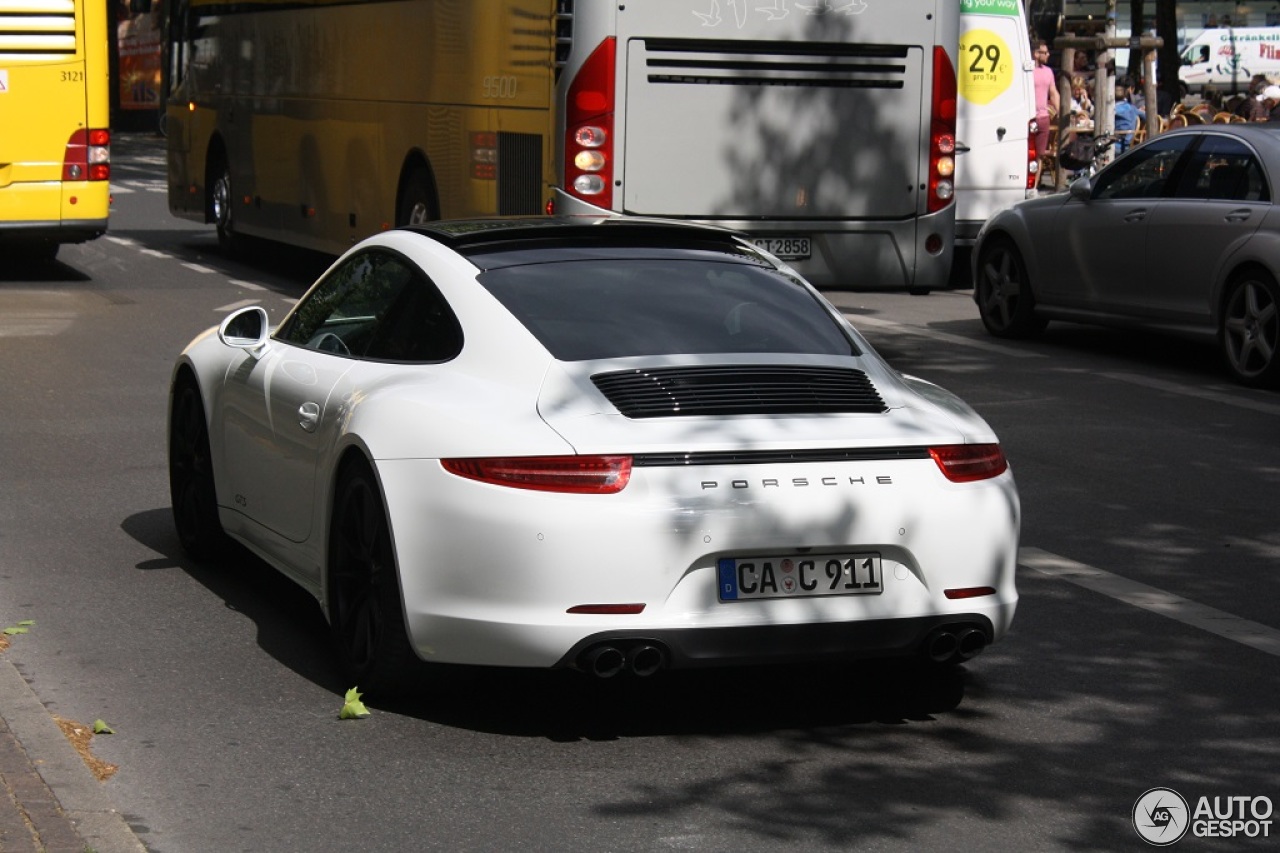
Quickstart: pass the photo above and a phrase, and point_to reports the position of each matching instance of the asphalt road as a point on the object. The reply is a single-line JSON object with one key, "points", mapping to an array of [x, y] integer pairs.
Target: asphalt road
{"points": [[1145, 652]]}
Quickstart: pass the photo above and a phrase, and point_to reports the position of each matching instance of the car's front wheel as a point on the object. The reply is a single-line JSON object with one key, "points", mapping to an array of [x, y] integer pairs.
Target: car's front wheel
{"points": [[366, 613], [191, 481], [1250, 330], [1003, 292]]}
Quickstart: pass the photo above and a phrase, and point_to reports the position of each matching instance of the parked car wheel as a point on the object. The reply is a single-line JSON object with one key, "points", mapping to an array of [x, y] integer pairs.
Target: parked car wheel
{"points": [[1003, 293], [191, 484], [366, 613], [1251, 329]]}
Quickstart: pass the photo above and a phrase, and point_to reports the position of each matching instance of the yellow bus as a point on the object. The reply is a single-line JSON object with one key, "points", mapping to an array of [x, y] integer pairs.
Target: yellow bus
{"points": [[825, 130], [319, 123], [55, 141]]}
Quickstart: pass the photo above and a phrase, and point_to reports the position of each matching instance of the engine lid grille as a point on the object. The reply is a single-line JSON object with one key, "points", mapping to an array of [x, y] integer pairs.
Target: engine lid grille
{"points": [[739, 390]]}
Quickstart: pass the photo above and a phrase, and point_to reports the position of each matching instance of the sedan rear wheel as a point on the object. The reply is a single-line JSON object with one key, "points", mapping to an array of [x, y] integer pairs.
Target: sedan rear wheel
{"points": [[1003, 292], [1251, 330], [191, 483], [366, 613]]}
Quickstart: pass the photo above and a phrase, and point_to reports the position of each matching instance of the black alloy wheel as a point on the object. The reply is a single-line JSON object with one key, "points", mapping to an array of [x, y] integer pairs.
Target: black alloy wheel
{"points": [[191, 482], [1003, 292], [366, 613], [1250, 330]]}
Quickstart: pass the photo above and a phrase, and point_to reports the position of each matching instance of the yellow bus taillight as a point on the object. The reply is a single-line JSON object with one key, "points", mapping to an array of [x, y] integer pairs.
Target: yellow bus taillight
{"points": [[88, 156]]}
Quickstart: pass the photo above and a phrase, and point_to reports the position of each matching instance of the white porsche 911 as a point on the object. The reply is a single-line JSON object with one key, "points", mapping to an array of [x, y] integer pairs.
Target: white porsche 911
{"points": [[612, 445]]}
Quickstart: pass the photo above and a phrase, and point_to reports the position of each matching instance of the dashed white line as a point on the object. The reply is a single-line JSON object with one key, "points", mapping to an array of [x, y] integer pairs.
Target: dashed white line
{"points": [[200, 268], [1226, 399], [1244, 631], [247, 285], [243, 303], [890, 325]]}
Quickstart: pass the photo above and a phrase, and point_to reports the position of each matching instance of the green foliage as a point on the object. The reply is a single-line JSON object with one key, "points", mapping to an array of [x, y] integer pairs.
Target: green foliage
{"points": [[101, 728], [354, 709], [21, 628]]}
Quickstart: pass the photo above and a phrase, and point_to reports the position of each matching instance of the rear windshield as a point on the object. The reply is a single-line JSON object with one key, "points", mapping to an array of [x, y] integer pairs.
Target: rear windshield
{"points": [[592, 309]]}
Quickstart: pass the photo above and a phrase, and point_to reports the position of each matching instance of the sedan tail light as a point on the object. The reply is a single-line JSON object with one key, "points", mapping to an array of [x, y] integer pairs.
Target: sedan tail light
{"points": [[964, 463], [586, 475]]}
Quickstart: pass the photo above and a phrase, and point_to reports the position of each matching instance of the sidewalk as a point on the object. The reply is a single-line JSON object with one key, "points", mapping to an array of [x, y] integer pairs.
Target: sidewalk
{"points": [[50, 802]]}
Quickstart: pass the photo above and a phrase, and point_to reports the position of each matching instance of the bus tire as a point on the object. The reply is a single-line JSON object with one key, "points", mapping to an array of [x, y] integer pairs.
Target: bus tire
{"points": [[220, 197], [419, 203]]}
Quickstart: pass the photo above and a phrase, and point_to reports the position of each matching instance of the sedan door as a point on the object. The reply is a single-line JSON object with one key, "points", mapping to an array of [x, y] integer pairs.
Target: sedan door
{"points": [[1105, 238], [1221, 198]]}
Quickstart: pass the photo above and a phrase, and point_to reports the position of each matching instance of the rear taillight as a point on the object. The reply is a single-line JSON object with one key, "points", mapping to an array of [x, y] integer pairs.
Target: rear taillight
{"points": [[964, 463], [942, 136], [588, 139], [88, 156], [588, 475], [1033, 162]]}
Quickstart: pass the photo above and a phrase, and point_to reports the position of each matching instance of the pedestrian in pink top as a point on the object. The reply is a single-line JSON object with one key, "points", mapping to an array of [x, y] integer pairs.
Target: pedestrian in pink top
{"points": [[1046, 96]]}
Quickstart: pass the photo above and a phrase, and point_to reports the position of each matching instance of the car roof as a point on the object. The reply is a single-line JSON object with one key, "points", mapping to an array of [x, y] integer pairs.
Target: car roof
{"points": [[507, 241]]}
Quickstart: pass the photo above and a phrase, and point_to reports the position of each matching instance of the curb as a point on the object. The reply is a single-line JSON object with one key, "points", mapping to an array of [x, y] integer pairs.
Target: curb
{"points": [[74, 795]]}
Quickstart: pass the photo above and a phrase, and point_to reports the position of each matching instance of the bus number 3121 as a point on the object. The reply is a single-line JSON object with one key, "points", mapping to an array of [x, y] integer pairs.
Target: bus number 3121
{"points": [[499, 87]]}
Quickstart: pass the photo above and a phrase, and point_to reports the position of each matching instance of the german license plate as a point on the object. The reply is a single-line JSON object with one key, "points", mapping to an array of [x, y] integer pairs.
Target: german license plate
{"points": [[746, 578], [786, 248]]}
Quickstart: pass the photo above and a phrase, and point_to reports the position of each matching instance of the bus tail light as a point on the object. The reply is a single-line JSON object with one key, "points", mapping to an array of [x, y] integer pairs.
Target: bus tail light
{"points": [[942, 143], [588, 143], [1033, 162], [484, 155], [88, 156]]}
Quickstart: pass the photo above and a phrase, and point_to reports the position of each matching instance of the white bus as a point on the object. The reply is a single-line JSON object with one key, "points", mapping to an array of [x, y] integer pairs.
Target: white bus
{"points": [[824, 128]]}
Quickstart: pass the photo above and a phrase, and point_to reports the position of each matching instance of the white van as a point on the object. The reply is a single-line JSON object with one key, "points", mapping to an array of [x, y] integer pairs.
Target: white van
{"points": [[1227, 58], [996, 105]]}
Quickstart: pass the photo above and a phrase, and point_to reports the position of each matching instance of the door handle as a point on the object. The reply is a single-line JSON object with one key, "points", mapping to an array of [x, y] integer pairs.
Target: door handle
{"points": [[1136, 215], [309, 416], [1239, 215]]}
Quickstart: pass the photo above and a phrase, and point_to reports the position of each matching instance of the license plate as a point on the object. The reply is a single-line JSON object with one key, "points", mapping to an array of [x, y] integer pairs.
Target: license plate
{"points": [[786, 248], [746, 578]]}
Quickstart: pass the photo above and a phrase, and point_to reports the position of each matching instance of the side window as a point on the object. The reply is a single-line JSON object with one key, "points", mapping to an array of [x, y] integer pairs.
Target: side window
{"points": [[375, 305], [1223, 168], [1143, 173]]}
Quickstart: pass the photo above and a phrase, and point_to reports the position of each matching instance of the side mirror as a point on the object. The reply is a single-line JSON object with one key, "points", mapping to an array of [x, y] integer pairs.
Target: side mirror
{"points": [[246, 329], [1082, 188]]}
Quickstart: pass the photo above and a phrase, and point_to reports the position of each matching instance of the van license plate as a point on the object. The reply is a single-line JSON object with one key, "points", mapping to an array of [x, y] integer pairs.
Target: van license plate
{"points": [[799, 577], [786, 248]]}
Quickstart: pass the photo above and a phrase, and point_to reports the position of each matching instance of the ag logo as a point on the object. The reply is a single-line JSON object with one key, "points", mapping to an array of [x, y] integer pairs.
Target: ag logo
{"points": [[1161, 817]]}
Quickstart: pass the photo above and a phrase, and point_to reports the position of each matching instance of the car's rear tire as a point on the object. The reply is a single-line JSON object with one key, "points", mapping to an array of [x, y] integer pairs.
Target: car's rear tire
{"points": [[1250, 329], [1003, 292], [366, 611], [192, 491]]}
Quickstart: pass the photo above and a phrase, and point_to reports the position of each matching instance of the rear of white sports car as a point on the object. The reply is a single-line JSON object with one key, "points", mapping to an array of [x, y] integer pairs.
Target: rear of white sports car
{"points": [[760, 496]]}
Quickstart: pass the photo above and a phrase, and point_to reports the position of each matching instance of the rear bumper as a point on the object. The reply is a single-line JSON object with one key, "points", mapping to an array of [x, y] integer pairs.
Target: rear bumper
{"points": [[777, 644], [66, 231]]}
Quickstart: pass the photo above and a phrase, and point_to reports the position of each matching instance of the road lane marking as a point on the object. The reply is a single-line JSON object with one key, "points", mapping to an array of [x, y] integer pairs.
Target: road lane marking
{"points": [[243, 303], [201, 268], [247, 285], [1244, 631], [1225, 398], [890, 325]]}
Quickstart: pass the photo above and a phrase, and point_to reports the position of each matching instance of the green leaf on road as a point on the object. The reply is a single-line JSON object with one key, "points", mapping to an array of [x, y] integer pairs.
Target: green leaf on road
{"points": [[354, 709], [101, 728]]}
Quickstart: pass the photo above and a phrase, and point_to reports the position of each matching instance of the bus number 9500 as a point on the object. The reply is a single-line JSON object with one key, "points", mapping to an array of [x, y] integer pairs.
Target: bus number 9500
{"points": [[500, 87]]}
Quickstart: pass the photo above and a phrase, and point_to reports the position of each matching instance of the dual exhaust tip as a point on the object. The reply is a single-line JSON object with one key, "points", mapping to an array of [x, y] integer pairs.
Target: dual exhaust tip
{"points": [[954, 644], [607, 660]]}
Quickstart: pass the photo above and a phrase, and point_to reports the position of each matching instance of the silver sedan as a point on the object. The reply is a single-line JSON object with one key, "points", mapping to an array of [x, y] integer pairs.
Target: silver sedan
{"points": [[1179, 235]]}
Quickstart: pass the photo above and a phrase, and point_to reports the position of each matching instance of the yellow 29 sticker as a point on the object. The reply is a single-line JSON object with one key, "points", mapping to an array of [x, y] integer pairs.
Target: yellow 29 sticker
{"points": [[986, 66]]}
